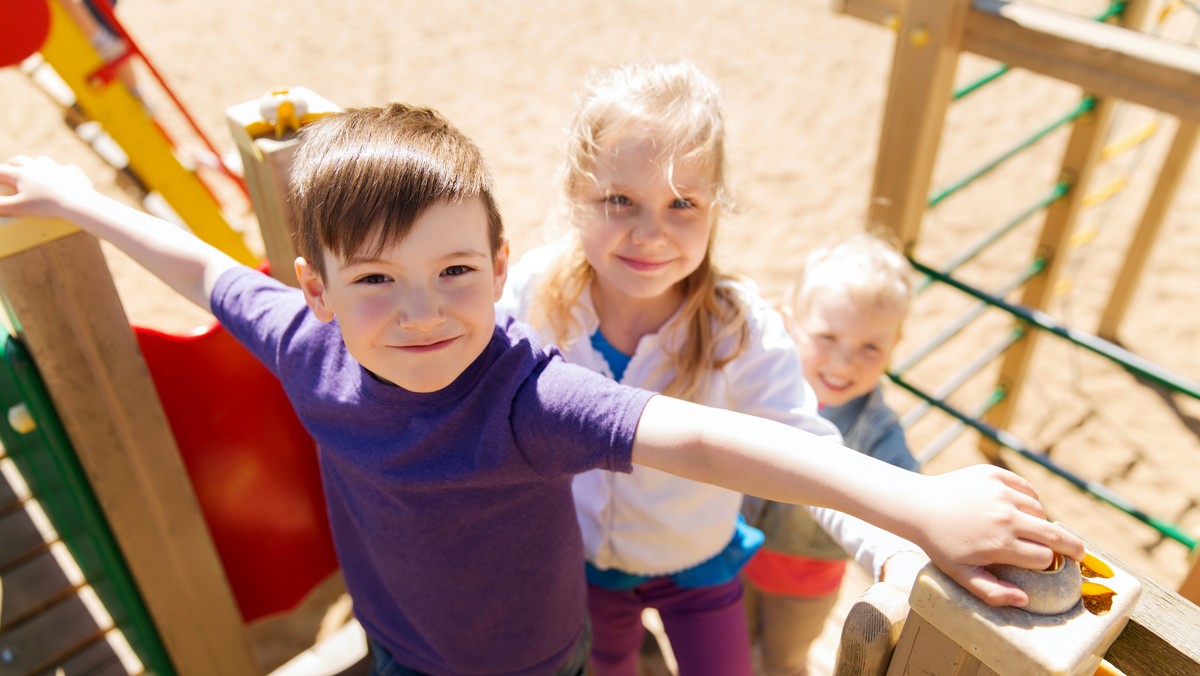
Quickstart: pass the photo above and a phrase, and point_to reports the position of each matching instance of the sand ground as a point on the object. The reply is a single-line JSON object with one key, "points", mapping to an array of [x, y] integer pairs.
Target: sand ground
{"points": [[804, 91]]}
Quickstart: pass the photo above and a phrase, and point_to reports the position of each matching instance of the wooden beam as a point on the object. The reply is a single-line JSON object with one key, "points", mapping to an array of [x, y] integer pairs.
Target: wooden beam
{"points": [[1078, 165], [1169, 177], [65, 308], [928, 43], [1101, 58], [1163, 633], [267, 165], [882, 12]]}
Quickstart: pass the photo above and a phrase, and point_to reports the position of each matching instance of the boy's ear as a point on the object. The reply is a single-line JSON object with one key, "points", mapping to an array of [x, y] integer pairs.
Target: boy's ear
{"points": [[314, 290], [499, 270]]}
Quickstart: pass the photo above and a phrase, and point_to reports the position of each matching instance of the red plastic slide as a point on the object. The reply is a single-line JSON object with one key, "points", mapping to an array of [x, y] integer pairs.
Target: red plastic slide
{"points": [[253, 466]]}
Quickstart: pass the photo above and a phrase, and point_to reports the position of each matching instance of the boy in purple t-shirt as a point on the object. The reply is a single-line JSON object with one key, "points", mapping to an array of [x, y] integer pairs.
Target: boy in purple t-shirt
{"points": [[448, 437]]}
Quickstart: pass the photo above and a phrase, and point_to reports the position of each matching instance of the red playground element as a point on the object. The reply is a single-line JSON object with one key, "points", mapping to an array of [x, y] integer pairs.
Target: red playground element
{"points": [[24, 28], [252, 465]]}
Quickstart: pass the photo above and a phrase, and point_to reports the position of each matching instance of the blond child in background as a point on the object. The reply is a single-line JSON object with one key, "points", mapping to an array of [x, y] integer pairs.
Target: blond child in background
{"points": [[846, 313], [632, 293]]}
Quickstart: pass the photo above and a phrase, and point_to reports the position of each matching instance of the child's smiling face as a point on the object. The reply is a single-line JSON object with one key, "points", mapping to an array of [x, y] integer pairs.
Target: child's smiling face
{"points": [[844, 345], [644, 231], [419, 312]]}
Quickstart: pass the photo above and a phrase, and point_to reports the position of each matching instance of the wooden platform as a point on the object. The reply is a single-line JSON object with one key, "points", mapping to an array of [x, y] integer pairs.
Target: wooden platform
{"points": [[51, 622]]}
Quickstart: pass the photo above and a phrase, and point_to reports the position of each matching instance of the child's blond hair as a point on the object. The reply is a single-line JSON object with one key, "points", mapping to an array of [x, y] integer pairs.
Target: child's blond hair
{"points": [[868, 266], [679, 108]]}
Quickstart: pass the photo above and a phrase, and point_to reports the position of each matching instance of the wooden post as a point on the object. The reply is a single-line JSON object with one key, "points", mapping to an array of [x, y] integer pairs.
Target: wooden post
{"points": [[950, 631], [62, 302], [267, 163], [928, 42], [1169, 176], [1190, 587], [1079, 161]]}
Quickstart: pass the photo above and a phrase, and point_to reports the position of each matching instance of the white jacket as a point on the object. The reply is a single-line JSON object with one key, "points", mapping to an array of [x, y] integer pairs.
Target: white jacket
{"points": [[653, 523]]}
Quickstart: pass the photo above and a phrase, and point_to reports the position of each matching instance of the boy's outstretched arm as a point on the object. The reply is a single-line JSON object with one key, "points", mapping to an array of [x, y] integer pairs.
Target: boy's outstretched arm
{"points": [[964, 520], [45, 189]]}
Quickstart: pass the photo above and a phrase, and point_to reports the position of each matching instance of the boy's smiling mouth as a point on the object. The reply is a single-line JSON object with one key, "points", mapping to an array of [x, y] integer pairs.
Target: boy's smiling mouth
{"points": [[426, 347], [643, 265]]}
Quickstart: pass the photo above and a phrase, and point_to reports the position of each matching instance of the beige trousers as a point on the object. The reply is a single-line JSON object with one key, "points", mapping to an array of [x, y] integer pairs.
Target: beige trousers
{"points": [[785, 627]]}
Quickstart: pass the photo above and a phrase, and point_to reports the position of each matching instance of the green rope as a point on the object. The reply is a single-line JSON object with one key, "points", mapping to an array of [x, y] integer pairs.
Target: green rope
{"points": [[1126, 359], [1085, 105], [1093, 488], [966, 255]]}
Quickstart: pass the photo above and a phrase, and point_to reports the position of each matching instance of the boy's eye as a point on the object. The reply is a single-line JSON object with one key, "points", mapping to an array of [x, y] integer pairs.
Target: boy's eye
{"points": [[373, 279], [456, 270]]}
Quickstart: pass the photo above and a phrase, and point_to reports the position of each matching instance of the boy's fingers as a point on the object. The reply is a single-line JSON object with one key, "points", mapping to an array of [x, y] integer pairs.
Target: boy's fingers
{"points": [[989, 589]]}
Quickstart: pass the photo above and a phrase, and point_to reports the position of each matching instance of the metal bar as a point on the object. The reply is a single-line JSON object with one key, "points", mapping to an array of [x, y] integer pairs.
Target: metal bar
{"points": [[1126, 359], [1093, 488], [966, 255], [957, 427], [961, 322], [1085, 104], [959, 379]]}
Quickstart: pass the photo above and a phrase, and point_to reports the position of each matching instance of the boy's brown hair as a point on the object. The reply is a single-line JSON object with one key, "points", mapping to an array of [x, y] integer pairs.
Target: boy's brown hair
{"points": [[363, 176]]}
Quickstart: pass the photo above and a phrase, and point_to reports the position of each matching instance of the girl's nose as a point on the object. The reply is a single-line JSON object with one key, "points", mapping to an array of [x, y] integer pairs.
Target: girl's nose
{"points": [[649, 229]]}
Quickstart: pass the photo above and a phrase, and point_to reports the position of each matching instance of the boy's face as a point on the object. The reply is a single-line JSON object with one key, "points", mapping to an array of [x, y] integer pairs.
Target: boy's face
{"points": [[421, 312], [643, 231], [844, 347]]}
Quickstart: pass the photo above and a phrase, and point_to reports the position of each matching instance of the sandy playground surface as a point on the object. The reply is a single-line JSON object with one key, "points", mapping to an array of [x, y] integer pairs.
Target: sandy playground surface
{"points": [[804, 94]]}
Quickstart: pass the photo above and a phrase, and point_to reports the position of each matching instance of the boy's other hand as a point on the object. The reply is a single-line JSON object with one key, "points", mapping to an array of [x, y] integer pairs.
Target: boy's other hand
{"points": [[39, 187], [980, 515]]}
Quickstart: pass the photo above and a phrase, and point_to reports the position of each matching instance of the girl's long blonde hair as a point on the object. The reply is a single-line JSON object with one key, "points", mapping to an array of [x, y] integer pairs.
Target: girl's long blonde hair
{"points": [[677, 106]]}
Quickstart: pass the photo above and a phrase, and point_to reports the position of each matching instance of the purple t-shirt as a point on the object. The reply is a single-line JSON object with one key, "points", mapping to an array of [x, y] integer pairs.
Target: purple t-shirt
{"points": [[451, 511]]}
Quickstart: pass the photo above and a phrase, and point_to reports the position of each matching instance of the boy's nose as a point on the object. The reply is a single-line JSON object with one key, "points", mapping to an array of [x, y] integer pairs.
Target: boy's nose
{"points": [[421, 310]]}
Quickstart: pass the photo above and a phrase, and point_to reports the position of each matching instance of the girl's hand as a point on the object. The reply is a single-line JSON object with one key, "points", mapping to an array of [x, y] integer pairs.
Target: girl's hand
{"points": [[40, 187], [982, 515]]}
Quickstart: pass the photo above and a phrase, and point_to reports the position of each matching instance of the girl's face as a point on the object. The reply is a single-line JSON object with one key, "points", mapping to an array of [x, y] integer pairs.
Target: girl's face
{"points": [[844, 347], [642, 232]]}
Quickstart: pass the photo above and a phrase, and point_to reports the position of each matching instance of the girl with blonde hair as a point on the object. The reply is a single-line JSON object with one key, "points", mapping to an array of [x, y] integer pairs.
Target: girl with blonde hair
{"points": [[631, 291]]}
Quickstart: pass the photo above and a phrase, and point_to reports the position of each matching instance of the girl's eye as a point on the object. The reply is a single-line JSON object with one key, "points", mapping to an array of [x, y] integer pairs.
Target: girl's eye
{"points": [[682, 203], [456, 270], [618, 200]]}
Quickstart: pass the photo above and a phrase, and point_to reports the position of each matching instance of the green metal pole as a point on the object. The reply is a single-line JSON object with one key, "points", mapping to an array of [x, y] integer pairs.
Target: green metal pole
{"points": [[1126, 359], [1093, 488]]}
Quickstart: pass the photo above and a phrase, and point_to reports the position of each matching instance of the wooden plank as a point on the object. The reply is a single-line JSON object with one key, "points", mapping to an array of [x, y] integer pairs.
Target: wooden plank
{"points": [[49, 636], [1078, 165], [923, 649], [882, 12], [70, 318], [98, 658], [19, 537], [1163, 634], [919, 90], [1099, 57], [31, 586], [1190, 587], [1169, 176], [267, 165], [8, 495]]}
